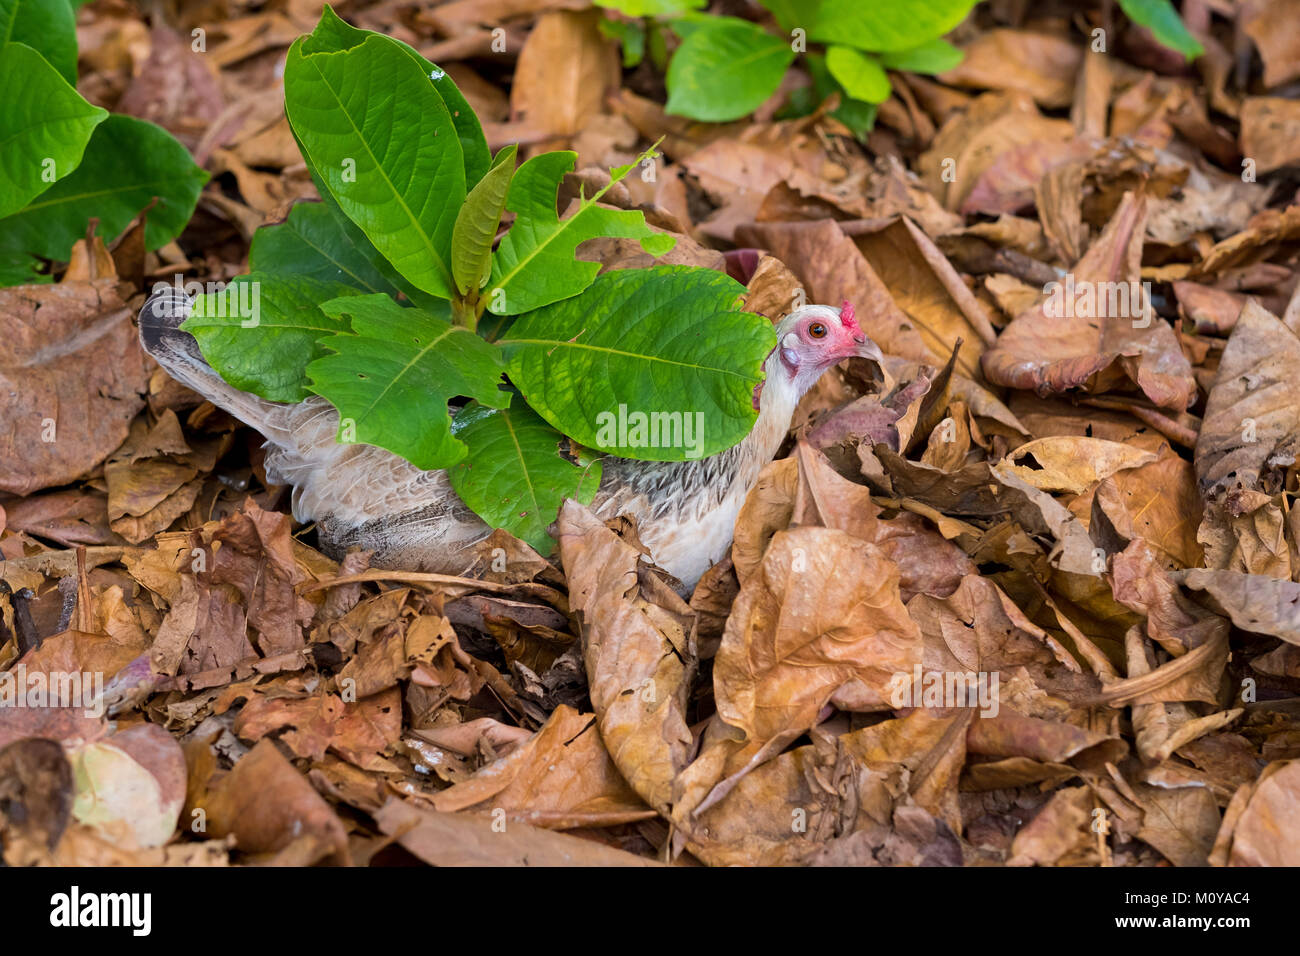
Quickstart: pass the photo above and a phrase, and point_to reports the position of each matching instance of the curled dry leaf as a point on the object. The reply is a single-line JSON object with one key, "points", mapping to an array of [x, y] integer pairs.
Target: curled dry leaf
{"points": [[564, 70], [1073, 464], [263, 802], [358, 732], [561, 778], [806, 490], [1264, 834], [851, 787], [821, 619], [638, 640], [930, 292], [972, 140], [1042, 65], [1174, 621], [1009, 734], [1097, 346], [1255, 602], [460, 839], [1157, 503], [1059, 835], [1251, 429]]}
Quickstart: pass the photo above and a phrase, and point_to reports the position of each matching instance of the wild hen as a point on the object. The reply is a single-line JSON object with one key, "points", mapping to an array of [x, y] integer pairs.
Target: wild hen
{"points": [[364, 496]]}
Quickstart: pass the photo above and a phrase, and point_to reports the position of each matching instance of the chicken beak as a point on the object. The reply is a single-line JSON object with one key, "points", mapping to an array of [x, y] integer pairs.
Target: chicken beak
{"points": [[868, 349]]}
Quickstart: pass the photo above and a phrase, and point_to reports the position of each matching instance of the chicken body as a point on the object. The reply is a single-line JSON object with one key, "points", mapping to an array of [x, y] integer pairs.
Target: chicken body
{"points": [[367, 497]]}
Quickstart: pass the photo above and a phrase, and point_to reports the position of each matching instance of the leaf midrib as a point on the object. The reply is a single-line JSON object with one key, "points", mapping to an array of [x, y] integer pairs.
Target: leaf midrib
{"points": [[406, 368], [523, 462], [75, 197], [328, 257], [562, 225], [419, 226], [553, 344]]}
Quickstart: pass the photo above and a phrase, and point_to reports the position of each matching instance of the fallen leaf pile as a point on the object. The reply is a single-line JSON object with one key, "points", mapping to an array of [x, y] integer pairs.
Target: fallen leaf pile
{"points": [[1028, 593]]}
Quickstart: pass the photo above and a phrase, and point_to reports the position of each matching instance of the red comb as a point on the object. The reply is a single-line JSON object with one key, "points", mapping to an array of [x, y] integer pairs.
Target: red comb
{"points": [[847, 319]]}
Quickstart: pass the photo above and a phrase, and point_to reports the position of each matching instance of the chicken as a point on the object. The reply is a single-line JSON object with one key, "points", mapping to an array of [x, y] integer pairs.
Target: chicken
{"points": [[364, 496]]}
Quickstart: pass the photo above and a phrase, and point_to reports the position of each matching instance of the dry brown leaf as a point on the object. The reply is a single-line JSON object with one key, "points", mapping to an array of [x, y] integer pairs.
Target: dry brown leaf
{"points": [[458, 839], [1251, 428], [1052, 354], [971, 141], [564, 70], [638, 642], [821, 620], [1263, 834], [70, 361], [560, 779], [833, 269], [1042, 65], [1073, 464], [263, 802]]}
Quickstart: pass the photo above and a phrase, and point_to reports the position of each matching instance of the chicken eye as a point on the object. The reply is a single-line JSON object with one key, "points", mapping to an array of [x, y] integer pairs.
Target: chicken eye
{"points": [[817, 330]]}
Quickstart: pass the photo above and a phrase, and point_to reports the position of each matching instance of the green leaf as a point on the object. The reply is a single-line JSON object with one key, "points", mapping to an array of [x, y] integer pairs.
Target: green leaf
{"points": [[534, 264], [666, 341], [725, 69], [312, 243], [47, 26], [652, 8], [858, 116], [476, 225], [878, 27], [381, 138], [860, 75], [358, 240], [261, 331], [18, 268], [936, 56], [44, 126], [1160, 17], [127, 164], [392, 376], [473, 144], [515, 476], [630, 35], [333, 34]]}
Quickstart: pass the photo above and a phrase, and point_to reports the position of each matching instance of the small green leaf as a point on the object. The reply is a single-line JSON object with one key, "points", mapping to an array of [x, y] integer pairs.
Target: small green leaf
{"points": [[515, 476], [127, 164], [391, 377], [261, 331], [534, 264], [725, 68], [897, 25], [630, 35], [858, 116], [861, 76], [667, 344], [476, 225], [47, 26], [379, 135], [44, 127], [312, 243], [18, 268], [936, 56], [1160, 17]]}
